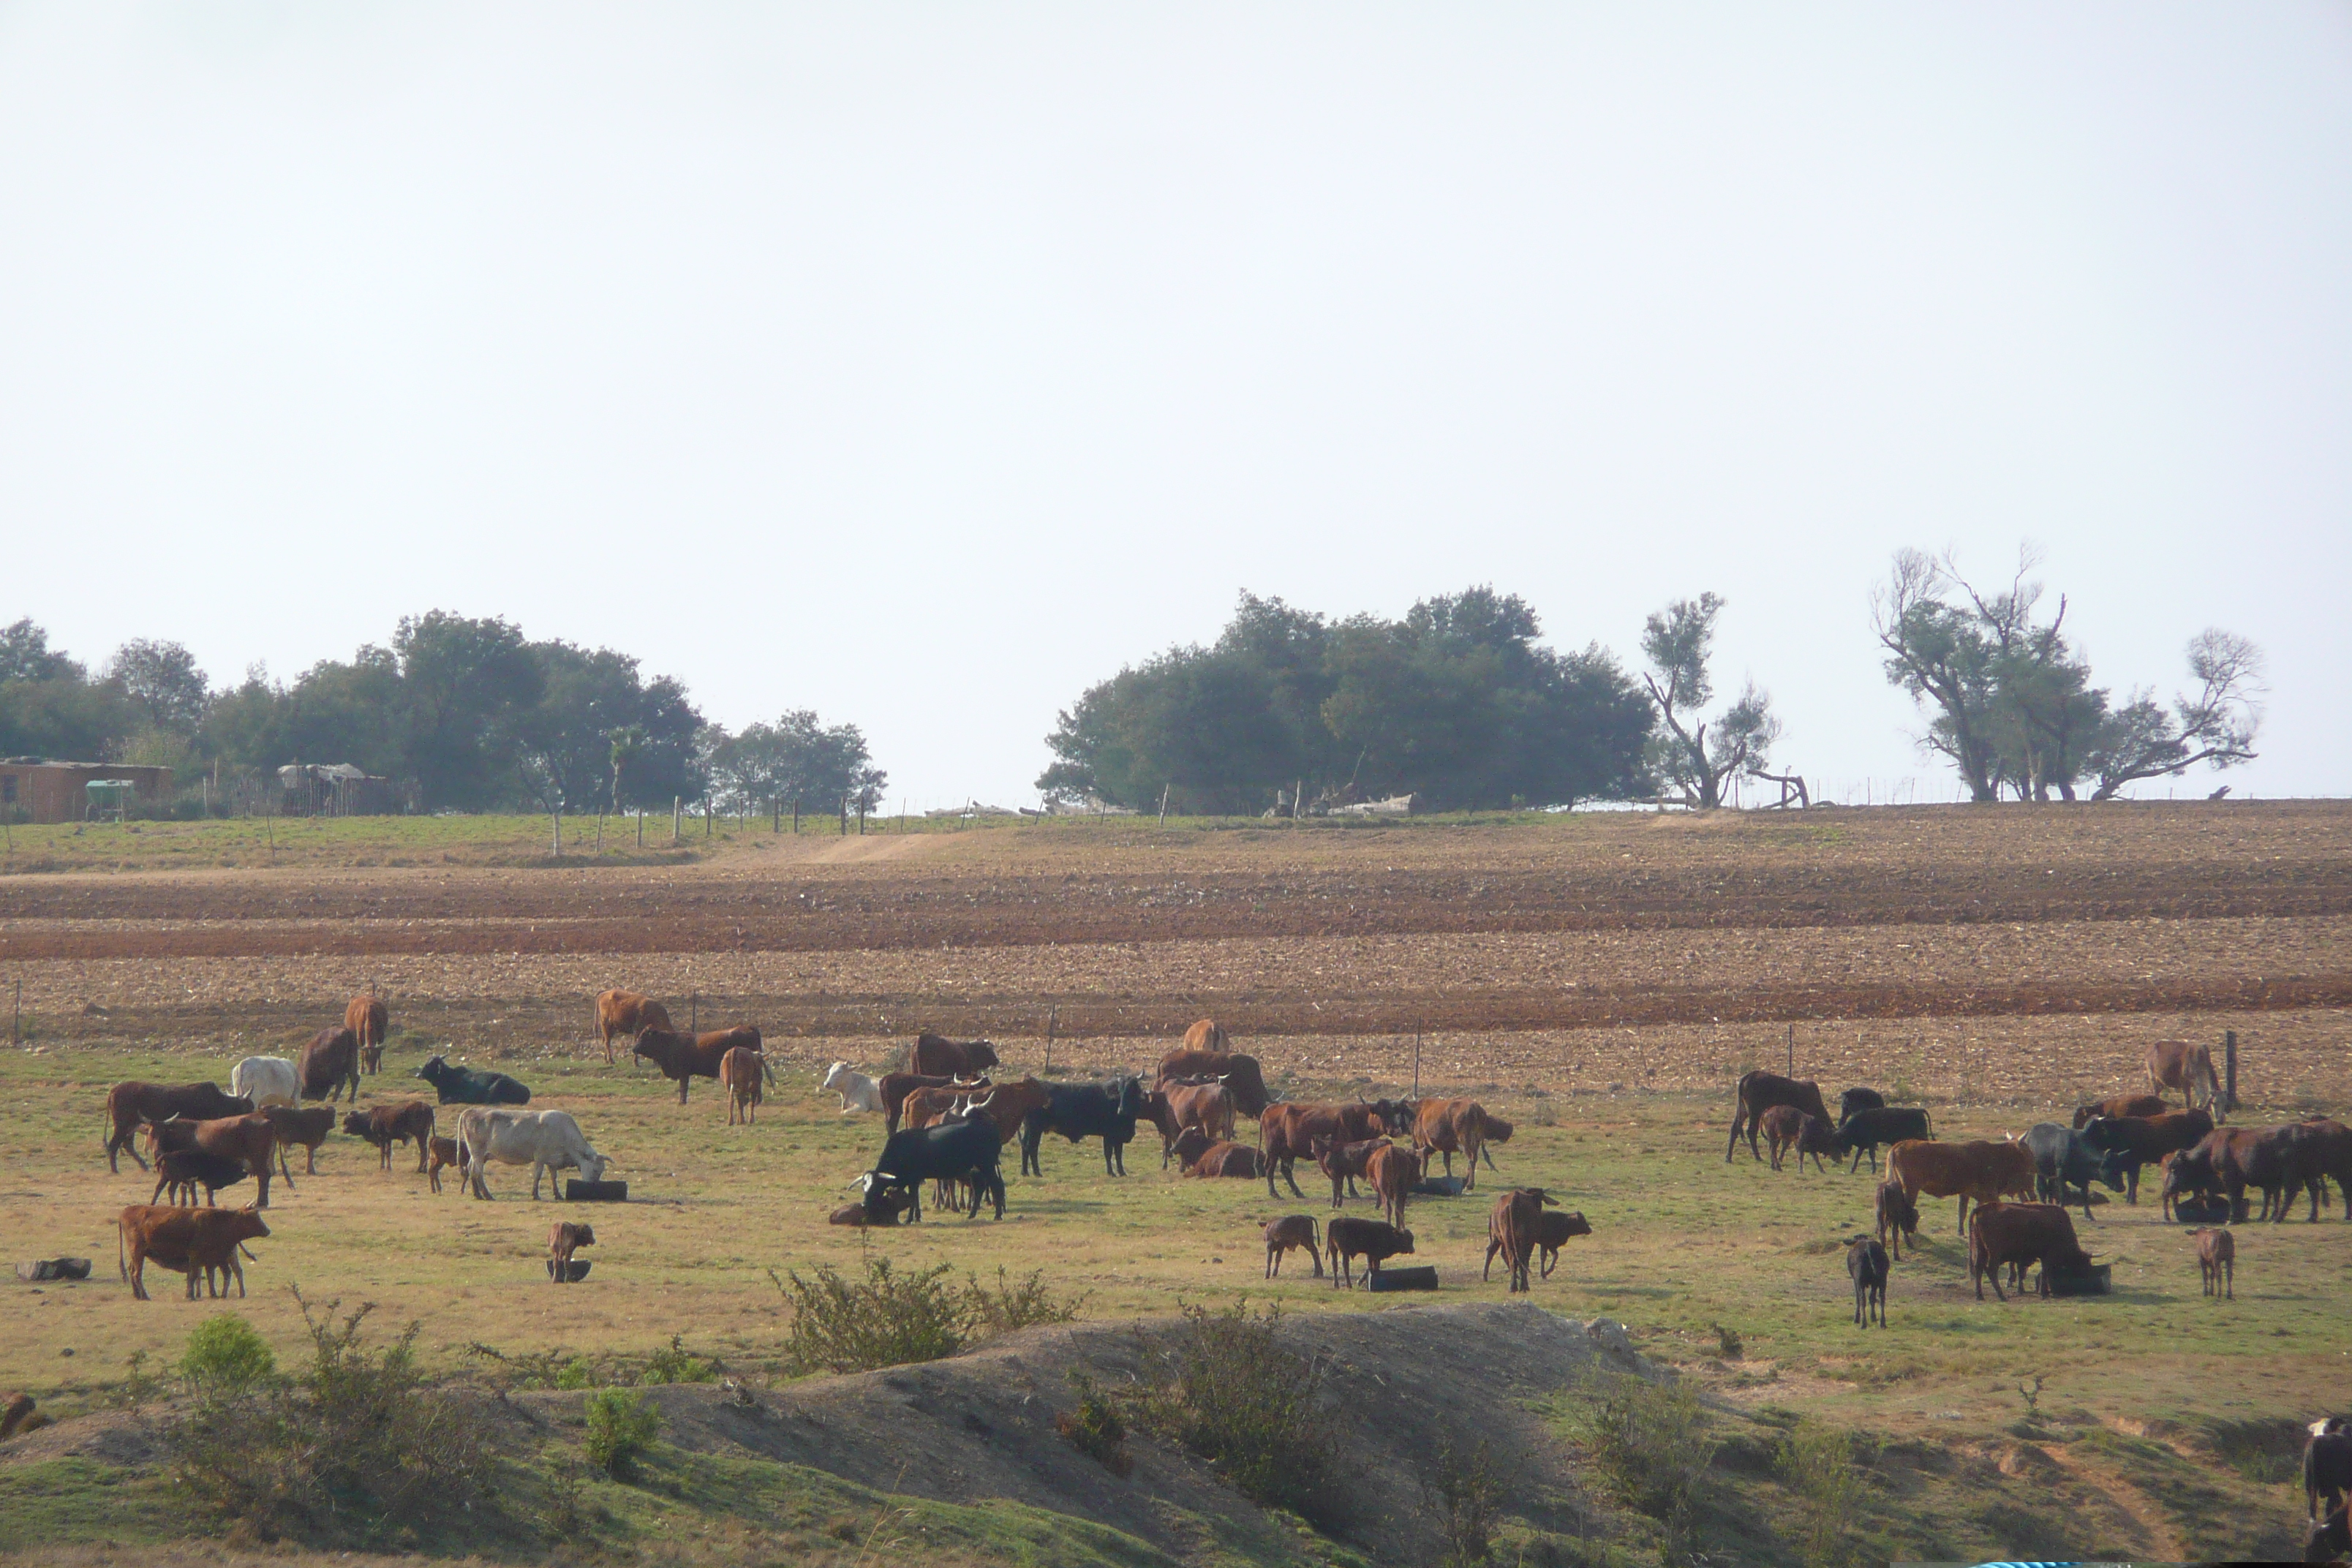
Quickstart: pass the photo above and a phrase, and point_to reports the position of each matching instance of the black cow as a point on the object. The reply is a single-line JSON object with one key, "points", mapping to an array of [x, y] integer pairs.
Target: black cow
{"points": [[943, 1152], [1867, 1126], [1104, 1111], [2328, 1540], [1855, 1100], [2130, 1142], [1865, 1262], [2063, 1160], [2326, 1471], [471, 1085]]}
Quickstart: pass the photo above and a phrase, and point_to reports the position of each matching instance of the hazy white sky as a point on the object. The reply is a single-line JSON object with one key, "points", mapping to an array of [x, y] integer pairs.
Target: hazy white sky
{"points": [[922, 363]]}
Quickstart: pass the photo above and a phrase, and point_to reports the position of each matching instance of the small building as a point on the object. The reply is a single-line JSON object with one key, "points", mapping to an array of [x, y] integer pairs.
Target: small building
{"points": [[43, 789], [335, 789]]}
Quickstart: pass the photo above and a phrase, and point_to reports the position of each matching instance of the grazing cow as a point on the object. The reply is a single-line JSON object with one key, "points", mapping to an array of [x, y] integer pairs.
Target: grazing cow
{"points": [[130, 1104], [1553, 1231], [2063, 1162], [1375, 1241], [307, 1127], [1343, 1162], [741, 1071], [2283, 1161], [368, 1021], [1289, 1133], [2191, 1175], [858, 1091], [1786, 1127], [682, 1057], [181, 1172], [1515, 1229], [1450, 1127], [2328, 1540], [1392, 1172], [893, 1088], [939, 1056], [1853, 1099], [471, 1085], [1076, 1110], [2130, 1142], [562, 1241], [2326, 1471], [331, 1064], [627, 1013], [192, 1241], [1978, 1170], [546, 1140], [950, 1152], [1208, 1035], [1759, 1092], [2327, 1152], [1238, 1073], [2187, 1066], [444, 1155], [1865, 1264], [266, 1080], [2217, 1261], [2120, 1105], [386, 1125], [2014, 1235], [1282, 1234], [1174, 1106], [892, 1211], [1863, 1131], [1898, 1218], [1226, 1159], [249, 1140]]}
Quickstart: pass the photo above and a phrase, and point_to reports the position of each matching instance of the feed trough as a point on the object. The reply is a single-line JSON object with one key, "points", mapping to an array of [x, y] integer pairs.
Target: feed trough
{"points": [[581, 1191], [53, 1269], [1421, 1278], [579, 1269], [2090, 1282], [2215, 1213], [1439, 1186]]}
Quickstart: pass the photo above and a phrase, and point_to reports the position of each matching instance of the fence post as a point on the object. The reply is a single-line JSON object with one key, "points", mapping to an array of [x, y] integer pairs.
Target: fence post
{"points": [[845, 817], [796, 816], [2230, 1065], [556, 816], [641, 827], [677, 813], [1163, 803]]}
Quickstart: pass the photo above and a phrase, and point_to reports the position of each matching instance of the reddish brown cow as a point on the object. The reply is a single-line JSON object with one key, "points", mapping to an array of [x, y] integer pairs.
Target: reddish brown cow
{"points": [[1343, 1162], [741, 1071], [1005, 1104], [1786, 1127], [2217, 1261], [1175, 1106], [1189, 1146], [684, 1057], [1392, 1172], [249, 1140], [368, 1021], [329, 1065], [445, 1157], [386, 1125], [895, 1087], [928, 1107], [890, 1208], [1208, 1035], [1515, 1229], [1759, 1092], [2120, 1105], [130, 1104], [1374, 1240], [628, 1013], [1451, 1127], [2127, 1143], [938, 1056], [1226, 1159], [1553, 1231], [1287, 1133], [307, 1128], [1898, 1218], [1238, 1073], [191, 1241], [1282, 1234], [566, 1238], [2014, 1235], [2187, 1066], [1978, 1170]]}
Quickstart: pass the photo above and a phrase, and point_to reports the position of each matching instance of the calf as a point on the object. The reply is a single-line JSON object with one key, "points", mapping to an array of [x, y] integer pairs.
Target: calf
{"points": [[2326, 1471], [247, 1140], [130, 1104], [858, 1091], [2328, 1540], [330, 1064], [1865, 1263], [1343, 1162], [1863, 1131], [2130, 1142], [1392, 1172], [1853, 1099], [181, 1171], [2120, 1105], [307, 1127], [1290, 1231], [562, 1241], [1898, 1218], [1289, 1133], [194, 1242], [1786, 1127], [627, 1013], [444, 1156], [892, 1210], [682, 1057], [741, 1071], [1759, 1092], [1079, 1111], [1553, 1231], [2217, 1261], [1514, 1229], [1376, 1241], [1226, 1160], [1191, 1144], [2014, 1235], [386, 1125]]}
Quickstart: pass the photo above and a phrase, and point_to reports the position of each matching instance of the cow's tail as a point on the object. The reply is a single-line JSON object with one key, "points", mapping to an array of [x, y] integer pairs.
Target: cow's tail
{"points": [[1928, 1122], [121, 1264]]}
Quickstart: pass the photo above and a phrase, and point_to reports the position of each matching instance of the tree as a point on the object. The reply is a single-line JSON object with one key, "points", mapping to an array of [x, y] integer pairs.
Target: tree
{"points": [[162, 679], [796, 758], [1678, 642], [2216, 726], [467, 684], [25, 655], [569, 751], [49, 708]]}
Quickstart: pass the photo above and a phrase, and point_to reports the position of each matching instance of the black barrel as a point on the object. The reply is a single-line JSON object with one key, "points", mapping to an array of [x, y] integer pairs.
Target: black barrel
{"points": [[1421, 1278]]}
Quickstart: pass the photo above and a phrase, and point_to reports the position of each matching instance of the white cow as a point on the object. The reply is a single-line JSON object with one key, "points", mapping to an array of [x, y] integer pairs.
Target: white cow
{"points": [[858, 1091], [546, 1140], [266, 1080]]}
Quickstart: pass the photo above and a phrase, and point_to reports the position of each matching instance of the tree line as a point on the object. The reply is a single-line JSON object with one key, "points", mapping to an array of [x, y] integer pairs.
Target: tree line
{"points": [[469, 714]]}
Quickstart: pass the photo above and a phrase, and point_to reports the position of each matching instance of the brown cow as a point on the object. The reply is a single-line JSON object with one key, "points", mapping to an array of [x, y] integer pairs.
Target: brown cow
{"points": [[385, 1125], [1238, 1073], [307, 1127], [1374, 1240], [895, 1087], [1553, 1231], [1451, 1127], [1759, 1092], [445, 1157], [2283, 1161], [627, 1013], [1176, 1106], [328, 1063], [1343, 1162], [1392, 1172], [1282, 1234], [1208, 1035], [562, 1241], [190, 1241], [1786, 1127], [936, 1056], [1006, 1104], [928, 1107], [741, 1071], [1898, 1218], [2217, 1261], [2120, 1105], [890, 1208], [2187, 1066], [1515, 1229], [684, 1057], [2127, 1143], [2014, 1235], [368, 1021], [130, 1104], [2326, 1153], [1189, 1146], [1287, 1133], [249, 1140], [1979, 1171], [1226, 1159]]}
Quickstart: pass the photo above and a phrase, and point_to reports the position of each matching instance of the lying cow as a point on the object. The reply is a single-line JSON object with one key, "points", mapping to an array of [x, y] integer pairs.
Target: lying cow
{"points": [[546, 1140], [1375, 1241], [471, 1085], [194, 1242], [1226, 1159], [1291, 1231], [127, 1105], [266, 1080], [858, 1091], [892, 1210], [386, 1125]]}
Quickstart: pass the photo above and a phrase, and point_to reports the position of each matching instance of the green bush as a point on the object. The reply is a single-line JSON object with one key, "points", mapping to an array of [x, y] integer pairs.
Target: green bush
{"points": [[889, 1319], [577, 1372], [225, 1356], [674, 1363], [1651, 1440], [1816, 1461], [1094, 1428], [621, 1428], [1238, 1399], [1022, 1306], [1463, 1494]]}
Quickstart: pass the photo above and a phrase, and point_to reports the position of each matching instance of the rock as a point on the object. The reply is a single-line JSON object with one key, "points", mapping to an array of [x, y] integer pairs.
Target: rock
{"points": [[15, 1414]]}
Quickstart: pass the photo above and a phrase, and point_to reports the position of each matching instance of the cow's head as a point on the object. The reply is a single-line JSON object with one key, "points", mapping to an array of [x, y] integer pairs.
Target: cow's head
{"points": [[833, 1074], [1575, 1224], [1127, 1098], [355, 1124], [979, 1056], [1404, 1241], [877, 1184], [432, 1069], [594, 1165], [246, 1223]]}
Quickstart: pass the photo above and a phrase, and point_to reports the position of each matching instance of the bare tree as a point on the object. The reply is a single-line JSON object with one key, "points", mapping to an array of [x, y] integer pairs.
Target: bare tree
{"points": [[1678, 641]]}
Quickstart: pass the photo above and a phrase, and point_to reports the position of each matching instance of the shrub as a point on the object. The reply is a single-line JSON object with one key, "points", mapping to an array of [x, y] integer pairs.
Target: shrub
{"points": [[674, 1363], [621, 1428], [1816, 1461], [1238, 1399], [1094, 1428], [889, 1319], [1651, 1440], [1463, 1494], [576, 1373], [1022, 1306], [225, 1356]]}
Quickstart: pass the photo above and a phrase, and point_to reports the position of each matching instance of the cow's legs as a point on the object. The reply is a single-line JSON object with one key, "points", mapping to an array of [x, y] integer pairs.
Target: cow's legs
{"points": [[1290, 1174]]}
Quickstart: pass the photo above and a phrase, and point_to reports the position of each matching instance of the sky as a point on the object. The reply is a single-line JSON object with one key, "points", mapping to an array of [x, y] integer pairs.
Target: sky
{"points": [[922, 364]]}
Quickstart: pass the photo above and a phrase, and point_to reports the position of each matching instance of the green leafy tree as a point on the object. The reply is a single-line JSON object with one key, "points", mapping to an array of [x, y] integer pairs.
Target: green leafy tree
{"points": [[568, 746], [1679, 642], [796, 758], [163, 681], [468, 686]]}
